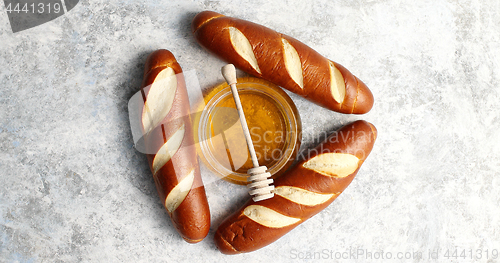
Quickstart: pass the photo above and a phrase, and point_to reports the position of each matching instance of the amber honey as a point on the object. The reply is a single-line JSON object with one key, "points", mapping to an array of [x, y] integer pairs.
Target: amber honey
{"points": [[273, 122]]}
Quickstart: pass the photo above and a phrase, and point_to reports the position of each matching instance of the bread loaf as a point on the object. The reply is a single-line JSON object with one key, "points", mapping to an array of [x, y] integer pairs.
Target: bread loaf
{"points": [[302, 192], [282, 60], [168, 133]]}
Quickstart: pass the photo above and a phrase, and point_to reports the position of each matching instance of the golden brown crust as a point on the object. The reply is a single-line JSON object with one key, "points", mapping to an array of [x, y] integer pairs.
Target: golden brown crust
{"points": [[192, 216], [161, 58], [211, 30], [238, 233], [202, 18]]}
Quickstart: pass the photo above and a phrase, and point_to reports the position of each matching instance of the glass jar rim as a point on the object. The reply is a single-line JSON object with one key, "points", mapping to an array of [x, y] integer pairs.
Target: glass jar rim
{"points": [[281, 100]]}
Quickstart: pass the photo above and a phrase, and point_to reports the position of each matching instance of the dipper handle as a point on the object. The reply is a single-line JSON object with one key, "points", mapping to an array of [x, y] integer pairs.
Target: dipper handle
{"points": [[260, 187]]}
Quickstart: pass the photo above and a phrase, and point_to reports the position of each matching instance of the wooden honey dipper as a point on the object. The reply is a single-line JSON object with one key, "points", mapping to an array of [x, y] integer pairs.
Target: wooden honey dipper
{"points": [[260, 186]]}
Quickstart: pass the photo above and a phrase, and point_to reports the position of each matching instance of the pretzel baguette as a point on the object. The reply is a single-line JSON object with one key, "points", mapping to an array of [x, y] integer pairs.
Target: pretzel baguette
{"points": [[282, 60], [168, 133], [300, 193]]}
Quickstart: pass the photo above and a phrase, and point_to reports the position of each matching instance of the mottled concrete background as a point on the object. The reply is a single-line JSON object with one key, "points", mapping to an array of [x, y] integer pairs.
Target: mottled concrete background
{"points": [[73, 188]]}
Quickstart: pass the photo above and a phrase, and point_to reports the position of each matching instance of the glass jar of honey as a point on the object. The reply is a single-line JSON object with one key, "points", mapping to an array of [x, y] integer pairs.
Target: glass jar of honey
{"points": [[272, 119]]}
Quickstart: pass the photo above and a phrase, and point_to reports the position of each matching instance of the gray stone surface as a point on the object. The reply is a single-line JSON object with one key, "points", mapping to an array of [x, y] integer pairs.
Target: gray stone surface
{"points": [[73, 188]]}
